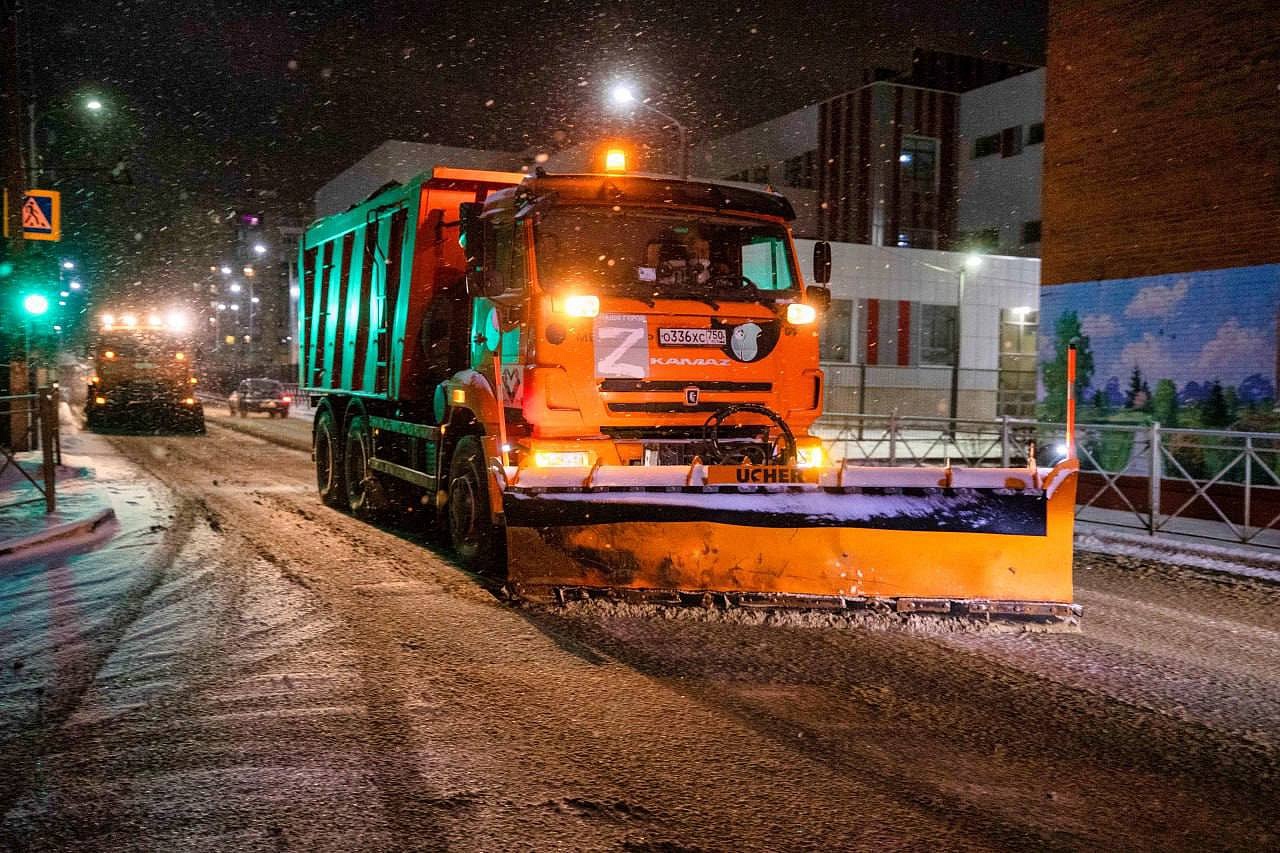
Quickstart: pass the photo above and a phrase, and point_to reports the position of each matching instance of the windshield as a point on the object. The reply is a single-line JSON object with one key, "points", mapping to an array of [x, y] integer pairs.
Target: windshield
{"points": [[652, 254], [263, 386]]}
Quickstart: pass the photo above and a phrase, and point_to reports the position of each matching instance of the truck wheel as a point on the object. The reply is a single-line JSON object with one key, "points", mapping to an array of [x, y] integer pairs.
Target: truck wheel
{"points": [[329, 474], [364, 493], [480, 544]]}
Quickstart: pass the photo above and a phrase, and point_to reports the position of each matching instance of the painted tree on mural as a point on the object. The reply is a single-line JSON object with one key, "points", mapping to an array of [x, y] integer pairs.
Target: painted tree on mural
{"points": [[1066, 332], [1164, 403], [1139, 394], [1215, 411]]}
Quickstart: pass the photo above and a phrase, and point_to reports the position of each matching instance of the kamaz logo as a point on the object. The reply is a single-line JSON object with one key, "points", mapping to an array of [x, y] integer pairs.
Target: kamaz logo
{"points": [[691, 396], [690, 362]]}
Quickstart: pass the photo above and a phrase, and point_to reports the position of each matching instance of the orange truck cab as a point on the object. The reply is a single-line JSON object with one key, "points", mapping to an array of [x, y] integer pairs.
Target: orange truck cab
{"points": [[624, 312]]}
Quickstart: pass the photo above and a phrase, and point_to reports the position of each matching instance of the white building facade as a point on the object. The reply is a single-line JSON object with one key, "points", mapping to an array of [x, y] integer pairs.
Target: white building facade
{"points": [[897, 319], [1001, 160]]}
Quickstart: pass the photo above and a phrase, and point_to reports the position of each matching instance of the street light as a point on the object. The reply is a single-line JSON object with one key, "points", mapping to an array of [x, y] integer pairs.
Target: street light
{"points": [[225, 270], [235, 287], [622, 95], [75, 285], [68, 265], [34, 169], [259, 249]]}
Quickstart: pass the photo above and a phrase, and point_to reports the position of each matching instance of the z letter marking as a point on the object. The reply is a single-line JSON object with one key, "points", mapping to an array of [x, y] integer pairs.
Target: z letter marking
{"points": [[609, 366]]}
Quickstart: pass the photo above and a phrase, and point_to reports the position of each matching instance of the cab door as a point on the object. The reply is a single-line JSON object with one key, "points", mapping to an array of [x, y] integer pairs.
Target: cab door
{"points": [[497, 321]]}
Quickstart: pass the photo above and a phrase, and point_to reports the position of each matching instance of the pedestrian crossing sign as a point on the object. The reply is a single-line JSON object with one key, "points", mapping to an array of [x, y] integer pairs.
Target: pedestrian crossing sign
{"points": [[42, 215]]}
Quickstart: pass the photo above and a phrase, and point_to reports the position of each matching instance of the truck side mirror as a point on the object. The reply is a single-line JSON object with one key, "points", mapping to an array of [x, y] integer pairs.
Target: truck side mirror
{"points": [[818, 296], [471, 238], [822, 263]]}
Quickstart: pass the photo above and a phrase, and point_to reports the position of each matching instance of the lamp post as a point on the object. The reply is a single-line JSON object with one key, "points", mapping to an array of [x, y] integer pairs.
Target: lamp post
{"points": [[623, 96], [972, 261], [34, 305]]}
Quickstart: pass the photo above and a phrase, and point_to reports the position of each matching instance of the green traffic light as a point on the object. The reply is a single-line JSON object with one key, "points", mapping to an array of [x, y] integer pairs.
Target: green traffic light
{"points": [[35, 304]]}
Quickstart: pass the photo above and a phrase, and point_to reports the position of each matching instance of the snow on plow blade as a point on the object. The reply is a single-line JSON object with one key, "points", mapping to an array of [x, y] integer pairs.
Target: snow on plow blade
{"points": [[981, 540]]}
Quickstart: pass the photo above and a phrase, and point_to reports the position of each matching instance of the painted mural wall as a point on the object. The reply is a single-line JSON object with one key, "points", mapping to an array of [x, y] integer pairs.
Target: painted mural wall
{"points": [[1192, 349]]}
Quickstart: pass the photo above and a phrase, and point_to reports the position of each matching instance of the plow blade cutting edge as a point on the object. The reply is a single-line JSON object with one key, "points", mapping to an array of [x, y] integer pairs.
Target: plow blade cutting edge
{"points": [[981, 540]]}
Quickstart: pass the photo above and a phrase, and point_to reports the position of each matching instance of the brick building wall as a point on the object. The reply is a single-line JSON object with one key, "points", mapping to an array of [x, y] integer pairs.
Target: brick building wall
{"points": [[1162, 149]]}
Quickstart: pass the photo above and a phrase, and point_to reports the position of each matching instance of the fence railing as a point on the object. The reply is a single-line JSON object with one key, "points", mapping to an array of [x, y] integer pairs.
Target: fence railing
{"points": [[1216, 484], [33, 424]]}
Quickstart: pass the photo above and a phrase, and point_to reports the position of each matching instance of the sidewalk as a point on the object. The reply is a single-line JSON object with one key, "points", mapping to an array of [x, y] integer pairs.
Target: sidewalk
{"points": [[84, 513]]}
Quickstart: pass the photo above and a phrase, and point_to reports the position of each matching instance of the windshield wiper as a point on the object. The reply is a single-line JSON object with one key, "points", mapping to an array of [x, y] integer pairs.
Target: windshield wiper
{"points": [[694, 295]]}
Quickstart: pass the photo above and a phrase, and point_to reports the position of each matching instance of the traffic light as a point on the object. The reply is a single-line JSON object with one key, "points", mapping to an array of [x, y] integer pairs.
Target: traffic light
{"points": [[35, 304]]}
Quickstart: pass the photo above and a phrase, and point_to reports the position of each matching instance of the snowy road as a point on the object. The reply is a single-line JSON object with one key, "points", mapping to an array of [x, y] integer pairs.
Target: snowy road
{"points": [[291, 678]]}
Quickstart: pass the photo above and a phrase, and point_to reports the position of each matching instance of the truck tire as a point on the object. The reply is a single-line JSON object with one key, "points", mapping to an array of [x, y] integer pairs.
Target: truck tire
{"points": [[364, 493], [330, 481], [480, 544]]}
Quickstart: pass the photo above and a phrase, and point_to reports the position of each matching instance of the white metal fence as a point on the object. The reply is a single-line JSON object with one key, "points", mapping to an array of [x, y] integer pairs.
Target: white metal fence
{"points": [[1217, 484]]}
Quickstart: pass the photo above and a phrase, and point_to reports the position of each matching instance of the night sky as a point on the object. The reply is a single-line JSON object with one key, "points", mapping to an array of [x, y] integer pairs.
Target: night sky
{"points": [[222, 103]]}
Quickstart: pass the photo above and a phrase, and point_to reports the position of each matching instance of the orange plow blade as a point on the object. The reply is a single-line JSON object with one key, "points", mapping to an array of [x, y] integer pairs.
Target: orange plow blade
{"points": [[940, 540]]}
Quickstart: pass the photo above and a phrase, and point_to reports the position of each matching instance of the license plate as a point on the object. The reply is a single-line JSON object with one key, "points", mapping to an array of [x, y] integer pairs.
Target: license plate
{"points": [[143, 365], [691, 337]]}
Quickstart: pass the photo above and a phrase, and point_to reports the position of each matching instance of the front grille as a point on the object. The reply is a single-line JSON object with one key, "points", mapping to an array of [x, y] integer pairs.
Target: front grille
{"points": [[638, 385], [671, 408], [678, 433]]}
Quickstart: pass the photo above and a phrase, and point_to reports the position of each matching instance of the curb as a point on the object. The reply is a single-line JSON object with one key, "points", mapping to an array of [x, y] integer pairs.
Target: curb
{"points": [[233, 426], [80, 527], [1219, 559]]}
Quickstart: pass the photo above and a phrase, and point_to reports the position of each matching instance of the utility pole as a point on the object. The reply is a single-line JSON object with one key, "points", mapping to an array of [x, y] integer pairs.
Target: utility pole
{"points": [[13, 367], [11, 122]]}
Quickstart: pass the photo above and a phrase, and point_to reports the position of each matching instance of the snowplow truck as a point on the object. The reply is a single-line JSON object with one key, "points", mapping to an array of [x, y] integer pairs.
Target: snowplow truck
{"points": [[604, 384], [144, 377]]}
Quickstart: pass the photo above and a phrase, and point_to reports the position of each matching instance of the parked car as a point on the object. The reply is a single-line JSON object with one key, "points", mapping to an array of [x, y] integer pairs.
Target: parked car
{"points": [[260, 395]]}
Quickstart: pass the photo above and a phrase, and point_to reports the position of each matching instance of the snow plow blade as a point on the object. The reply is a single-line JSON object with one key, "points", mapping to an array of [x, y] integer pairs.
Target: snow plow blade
{"points": [[947, 540]]}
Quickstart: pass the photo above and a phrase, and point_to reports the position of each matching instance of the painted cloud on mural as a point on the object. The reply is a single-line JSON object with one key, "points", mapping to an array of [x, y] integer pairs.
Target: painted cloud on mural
{"points": [[1191, 328], [1157, 300], [1234, 346]]}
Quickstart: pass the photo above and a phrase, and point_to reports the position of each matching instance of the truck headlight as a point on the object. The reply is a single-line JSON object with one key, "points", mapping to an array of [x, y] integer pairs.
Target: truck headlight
{"points": [[810, 456], [800, 314], [561, 459], [582, 305]]}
